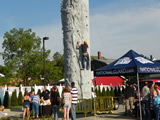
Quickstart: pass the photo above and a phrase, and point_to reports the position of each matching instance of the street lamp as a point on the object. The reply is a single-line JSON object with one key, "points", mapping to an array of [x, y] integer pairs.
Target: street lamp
{"points": [[44, 69]]}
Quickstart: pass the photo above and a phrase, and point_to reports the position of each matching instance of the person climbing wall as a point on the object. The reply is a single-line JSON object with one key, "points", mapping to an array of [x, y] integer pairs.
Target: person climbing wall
{"points": [[85, 55]]}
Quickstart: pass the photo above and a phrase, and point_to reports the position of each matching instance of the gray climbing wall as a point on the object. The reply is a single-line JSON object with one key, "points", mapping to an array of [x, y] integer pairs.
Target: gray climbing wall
{"points": [[75, 26]]}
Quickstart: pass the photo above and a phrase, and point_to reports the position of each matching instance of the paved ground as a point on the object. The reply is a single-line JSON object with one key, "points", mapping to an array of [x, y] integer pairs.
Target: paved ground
{"points": [[117, 114]]}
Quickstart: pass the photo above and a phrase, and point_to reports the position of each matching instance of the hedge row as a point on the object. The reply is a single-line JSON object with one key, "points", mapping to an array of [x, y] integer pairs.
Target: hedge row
{"points": [[109, 92], [15, 101]]}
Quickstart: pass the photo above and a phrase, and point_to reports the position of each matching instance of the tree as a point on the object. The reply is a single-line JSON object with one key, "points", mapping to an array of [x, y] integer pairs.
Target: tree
{"points": [[107, 92], [116, 91], [96, 91], [32, 89], [4, 70], [25, 90], [119, 91], [22, 53], [112, 92], [6, 100], [14, 100], [103, 91], [39, 92], [20, 97], [99, 91], [55, 68], [92, 89]]}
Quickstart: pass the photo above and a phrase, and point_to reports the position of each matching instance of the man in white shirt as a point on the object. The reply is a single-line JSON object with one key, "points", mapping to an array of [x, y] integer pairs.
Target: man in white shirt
{"points": [[74, 93]]}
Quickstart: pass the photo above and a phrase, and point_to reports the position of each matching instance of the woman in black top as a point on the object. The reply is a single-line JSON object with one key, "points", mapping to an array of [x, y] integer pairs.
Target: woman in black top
{"points": [[55, 102]]}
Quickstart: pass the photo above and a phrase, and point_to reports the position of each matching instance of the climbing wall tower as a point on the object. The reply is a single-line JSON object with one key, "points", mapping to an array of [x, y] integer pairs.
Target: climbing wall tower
{"points": [[75, 26]]}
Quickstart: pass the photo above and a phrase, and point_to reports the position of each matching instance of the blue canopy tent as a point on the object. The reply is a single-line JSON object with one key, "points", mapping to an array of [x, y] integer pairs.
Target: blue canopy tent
{"points": [[130, 64]]}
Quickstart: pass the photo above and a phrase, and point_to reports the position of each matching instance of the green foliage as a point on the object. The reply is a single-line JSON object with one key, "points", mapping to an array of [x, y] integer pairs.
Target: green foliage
{"points": [[39, 92], [107, 92], [6, 100], [23, 59], [119, 90], [32, 89], [20, 97], [116, 91], [103, 92], [22, 53], [63, 90], [14, 100], [25, 91], [4, 70], [103, 58], [92, 89], [99, 91], [55, 68], [7, 118], [96, 91], [112, 92]]}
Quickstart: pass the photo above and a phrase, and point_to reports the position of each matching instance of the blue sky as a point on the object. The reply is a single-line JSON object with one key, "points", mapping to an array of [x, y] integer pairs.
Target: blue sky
{"points": [[116, 26]]}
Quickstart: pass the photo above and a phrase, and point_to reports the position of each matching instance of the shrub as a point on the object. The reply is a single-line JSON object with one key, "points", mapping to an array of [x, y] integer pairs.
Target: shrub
{"points": [[92, 89], [119, 90], [14, 100], [112, 92], [99, 91], [96, 91], [26, 91], [107, 92], [103, 91], [32, 89], [39, 92], [115, 91], [20, 97], [6, 100]]}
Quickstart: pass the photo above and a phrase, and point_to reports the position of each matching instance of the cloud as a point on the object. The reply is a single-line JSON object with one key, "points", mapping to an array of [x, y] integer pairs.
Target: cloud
{"points": [[115, 34], [54, 32], [114, 31]]}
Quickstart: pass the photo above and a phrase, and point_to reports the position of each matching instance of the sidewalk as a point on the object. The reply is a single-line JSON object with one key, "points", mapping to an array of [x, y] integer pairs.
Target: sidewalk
{"points": [[117, 114]]}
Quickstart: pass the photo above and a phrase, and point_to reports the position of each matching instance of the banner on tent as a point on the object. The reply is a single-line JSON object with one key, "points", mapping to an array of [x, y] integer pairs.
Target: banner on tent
{"points": [[149, 69], [115, 72]]}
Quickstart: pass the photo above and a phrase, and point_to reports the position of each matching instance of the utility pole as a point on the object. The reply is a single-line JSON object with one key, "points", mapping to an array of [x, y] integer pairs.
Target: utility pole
{"points": [[44, 68]]}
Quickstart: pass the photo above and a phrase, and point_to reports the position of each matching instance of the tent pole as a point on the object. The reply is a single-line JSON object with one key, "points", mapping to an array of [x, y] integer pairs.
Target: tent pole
{"points": [[94, 98], [140, 110]]}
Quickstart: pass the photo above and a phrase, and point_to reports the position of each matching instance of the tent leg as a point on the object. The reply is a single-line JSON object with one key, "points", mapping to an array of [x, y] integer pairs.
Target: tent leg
{"points": [[94, 99], [140, 110]]}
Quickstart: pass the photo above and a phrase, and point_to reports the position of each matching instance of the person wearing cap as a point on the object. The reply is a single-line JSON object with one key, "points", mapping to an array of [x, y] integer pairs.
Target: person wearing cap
{"points": [[85, 55], [146, 102]]}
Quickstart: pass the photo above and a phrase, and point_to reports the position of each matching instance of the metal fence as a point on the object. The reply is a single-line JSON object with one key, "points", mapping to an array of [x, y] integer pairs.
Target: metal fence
{"points": [[101, 104]]}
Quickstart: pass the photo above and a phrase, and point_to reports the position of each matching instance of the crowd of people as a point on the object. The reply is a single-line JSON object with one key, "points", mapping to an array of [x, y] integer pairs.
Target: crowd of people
{"points": [[32, 102], [150, 98]]}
